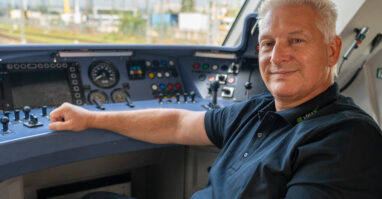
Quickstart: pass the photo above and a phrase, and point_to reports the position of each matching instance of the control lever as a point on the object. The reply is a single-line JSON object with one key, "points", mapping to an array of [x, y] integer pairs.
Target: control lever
{"points": [[177, 96], [33, 122], [44, 111], [5, 121], [6, 114], [192, 95], [129, 102], [185, 96], [26, 111], [247, 86], [214, 86], [160, 97], [98, 104], [17, 115]]}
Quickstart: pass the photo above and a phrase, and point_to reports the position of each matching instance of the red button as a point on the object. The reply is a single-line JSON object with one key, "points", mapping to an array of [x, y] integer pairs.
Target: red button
{"points": [[170, 86], [178, 85], [211, 78], [196, 66], [231, 80]]}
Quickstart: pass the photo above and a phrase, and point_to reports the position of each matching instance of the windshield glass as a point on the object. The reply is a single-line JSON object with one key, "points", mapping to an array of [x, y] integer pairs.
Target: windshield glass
{"points": [[184, 22]]}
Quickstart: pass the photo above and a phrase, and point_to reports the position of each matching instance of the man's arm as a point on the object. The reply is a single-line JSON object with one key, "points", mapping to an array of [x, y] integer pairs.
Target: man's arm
{"points": [[150, 125]]}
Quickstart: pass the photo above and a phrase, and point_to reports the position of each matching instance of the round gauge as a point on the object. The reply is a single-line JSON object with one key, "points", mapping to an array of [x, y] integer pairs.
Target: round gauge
{"points": [[103, 74], [119, 95], [99, 96]]}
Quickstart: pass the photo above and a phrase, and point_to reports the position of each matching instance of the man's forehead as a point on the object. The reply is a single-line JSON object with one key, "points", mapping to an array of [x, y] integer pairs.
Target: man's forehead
{"points": [[286, 19]]}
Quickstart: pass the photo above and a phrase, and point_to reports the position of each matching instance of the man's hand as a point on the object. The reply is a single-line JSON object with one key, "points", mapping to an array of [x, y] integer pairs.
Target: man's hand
{"points": [[69, 117]]}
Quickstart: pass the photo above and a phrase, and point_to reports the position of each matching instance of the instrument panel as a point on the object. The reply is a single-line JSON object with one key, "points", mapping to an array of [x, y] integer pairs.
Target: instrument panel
{"points": [[36, 79]]}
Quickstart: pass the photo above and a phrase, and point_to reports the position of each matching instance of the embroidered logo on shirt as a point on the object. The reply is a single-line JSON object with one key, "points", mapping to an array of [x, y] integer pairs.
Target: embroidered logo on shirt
{"points": [[308, 115]]}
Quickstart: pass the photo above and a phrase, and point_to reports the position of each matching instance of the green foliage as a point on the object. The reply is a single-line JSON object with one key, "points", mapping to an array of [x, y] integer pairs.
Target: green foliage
{"points": [[131, 24], [188, 6]]}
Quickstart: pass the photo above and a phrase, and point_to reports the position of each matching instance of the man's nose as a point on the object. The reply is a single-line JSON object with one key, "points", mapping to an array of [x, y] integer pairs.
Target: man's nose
{"points": [[280, 53]]}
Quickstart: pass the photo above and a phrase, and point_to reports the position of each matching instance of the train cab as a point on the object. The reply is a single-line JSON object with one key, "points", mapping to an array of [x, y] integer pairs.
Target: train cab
{"points": [[127, 55]]}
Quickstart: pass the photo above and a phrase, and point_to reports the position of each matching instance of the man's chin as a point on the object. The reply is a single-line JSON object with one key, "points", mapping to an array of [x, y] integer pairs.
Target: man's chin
{"points": [[283, 92]]}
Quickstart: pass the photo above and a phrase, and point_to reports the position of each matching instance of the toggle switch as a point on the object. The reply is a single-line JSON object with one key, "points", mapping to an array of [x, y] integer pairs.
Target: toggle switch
{"points": [[17, 115], [5, 121], [44, 111], [160, 97], [192, 95], [26, 111], [33, 122]]}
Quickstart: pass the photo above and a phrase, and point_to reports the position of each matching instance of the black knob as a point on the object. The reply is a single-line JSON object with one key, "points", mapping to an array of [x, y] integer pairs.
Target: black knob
{"points": [[248, 85], [177, 96], [192, 95], [17, 114], [43, 110], [26, 111], [214, 86], [6, 114], [185, 95], [5, 121], [33, 119], [160, 96]]}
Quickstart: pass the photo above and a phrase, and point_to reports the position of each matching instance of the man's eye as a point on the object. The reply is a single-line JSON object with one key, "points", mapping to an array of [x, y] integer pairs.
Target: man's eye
{"points": [[266, 44], [297, 41]]}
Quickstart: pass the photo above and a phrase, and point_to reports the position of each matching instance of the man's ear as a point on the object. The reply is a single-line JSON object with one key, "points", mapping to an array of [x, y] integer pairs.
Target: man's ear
{"points": [[334, 50]]}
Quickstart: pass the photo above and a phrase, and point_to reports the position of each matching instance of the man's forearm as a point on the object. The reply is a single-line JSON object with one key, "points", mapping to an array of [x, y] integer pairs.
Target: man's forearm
{"points": [[151, 125]]}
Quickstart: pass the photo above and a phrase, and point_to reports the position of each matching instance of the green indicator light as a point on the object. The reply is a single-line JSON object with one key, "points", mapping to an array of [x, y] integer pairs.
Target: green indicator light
{"points": [[363, 37], [205, 66]]}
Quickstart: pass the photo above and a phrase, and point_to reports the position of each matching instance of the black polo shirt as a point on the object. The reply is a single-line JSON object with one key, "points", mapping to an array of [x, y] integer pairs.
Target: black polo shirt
{"points": [[325, 148]]}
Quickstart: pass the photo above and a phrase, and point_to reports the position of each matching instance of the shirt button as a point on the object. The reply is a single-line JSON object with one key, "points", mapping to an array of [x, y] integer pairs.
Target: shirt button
{"points": [[260, 134], [245, 155]]}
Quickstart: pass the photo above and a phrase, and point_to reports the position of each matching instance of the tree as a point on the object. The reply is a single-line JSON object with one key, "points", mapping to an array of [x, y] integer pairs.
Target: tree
{"points": [[188, 6]]}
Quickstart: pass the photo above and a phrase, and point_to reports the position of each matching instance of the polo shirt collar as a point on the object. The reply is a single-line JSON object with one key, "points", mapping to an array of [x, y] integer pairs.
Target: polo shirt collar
{"points": [[311, 107]]}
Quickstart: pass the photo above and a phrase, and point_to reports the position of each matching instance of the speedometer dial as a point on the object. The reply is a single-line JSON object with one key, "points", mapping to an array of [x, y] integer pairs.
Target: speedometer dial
{"points": [[103, 74]]}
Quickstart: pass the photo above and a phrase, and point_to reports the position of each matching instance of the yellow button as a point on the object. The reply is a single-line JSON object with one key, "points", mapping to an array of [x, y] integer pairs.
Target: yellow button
{"points": [[151, 75]]}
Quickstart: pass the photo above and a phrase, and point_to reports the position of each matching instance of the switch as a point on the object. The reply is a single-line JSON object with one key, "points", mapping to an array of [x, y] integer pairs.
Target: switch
{"points": [[26, 111], [6, 114], [227, 92], [17, 115], [185, 96], [160, 97], [5, 121], [33, 122], [44, 111], [192, 95], [177, 96]]}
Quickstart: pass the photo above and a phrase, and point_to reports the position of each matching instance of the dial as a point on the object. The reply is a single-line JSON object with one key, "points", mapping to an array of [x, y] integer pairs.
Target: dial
{"points": [[99, 96], [119, 95], [103, 74]]}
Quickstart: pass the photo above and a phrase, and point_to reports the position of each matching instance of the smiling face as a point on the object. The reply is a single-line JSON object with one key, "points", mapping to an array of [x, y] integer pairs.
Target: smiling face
{"points": [[295, 62]]}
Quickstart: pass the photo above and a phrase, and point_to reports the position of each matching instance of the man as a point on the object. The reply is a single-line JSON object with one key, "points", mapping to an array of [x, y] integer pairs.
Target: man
{"points": [[305, 140]]}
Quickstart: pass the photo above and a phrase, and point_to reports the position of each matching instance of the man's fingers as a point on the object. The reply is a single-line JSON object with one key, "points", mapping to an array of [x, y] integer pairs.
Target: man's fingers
{"points": [[58, 126]]}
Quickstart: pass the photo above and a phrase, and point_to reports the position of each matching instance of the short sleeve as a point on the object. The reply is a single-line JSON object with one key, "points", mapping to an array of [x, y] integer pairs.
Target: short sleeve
{"points": [[343, 162], [221, 124]]}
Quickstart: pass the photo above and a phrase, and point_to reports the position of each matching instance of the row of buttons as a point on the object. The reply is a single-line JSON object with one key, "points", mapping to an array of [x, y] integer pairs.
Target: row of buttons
{"points": [[207, 66], [36, 66], [161, 63], [164, 87], [152, 75]]}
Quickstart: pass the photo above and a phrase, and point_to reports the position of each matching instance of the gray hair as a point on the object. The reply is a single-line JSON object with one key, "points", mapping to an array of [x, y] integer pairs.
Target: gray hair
{"points": [[326, 9]]}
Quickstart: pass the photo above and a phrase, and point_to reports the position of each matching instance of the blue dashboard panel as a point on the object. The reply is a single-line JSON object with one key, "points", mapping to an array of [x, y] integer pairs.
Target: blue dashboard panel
{"points": [[36, 77]]}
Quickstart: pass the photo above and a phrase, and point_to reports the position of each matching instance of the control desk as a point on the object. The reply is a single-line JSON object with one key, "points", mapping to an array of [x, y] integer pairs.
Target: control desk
{"points": [[36, 79]]}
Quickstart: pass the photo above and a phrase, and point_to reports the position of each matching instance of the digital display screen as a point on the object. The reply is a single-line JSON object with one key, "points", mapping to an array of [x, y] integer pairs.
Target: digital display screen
{"points": [[36, 89]]}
